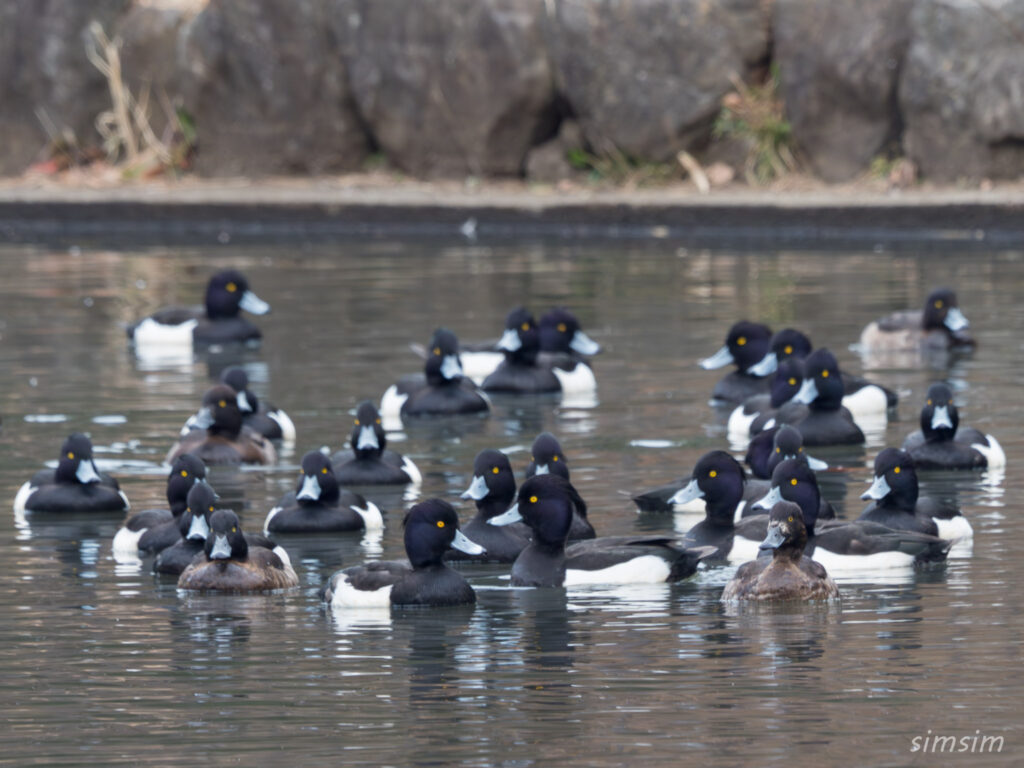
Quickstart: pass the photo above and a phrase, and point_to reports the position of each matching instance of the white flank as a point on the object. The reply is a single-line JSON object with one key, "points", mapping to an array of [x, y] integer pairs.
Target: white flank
{"points": [[868, 402], [993, 453], [26, 490], [738, 514], [282, 553], [645, 569], [126, 543], [270, 516], [479, 365], [955, 528], [880, 561], [391, 405], [127, 504], [150, 333], [287, 427], [743, 550], [579, 379], [373, 520], [411, 470], [739, 424], [347, 596]]}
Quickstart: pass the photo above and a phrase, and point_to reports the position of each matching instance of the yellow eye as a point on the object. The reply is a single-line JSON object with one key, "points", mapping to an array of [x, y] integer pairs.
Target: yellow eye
{"points": [[211, 508], [938, 304], [495, 470], [800, 449], [741, 340], [929, 402], [533, 499], [777, 449], [554, 458], [561, 327], [824, 374], [378, 421], [323, 471], [233, 529], [713, 473], [792, 481], [222, 403], [357, 422], [792, 382], [789, 351], [184, 473], [525, 326], [71, 455], [790, 519], [896, 471], [231, 287], [437, 350], [440, 523], [949, 402]]}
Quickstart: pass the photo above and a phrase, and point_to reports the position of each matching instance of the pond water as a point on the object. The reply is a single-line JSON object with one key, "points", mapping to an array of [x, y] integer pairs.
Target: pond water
{"points": [[103, 663]]}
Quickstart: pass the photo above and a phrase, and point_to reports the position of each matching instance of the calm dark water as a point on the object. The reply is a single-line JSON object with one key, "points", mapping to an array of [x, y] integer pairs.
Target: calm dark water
{"points": [[103, 663]]}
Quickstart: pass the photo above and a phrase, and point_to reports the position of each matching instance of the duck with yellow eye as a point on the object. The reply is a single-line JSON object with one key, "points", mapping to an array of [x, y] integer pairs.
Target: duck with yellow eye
{"points": [[912, 337], [230, 564], [369, 461], [319, 505], [493, 490], [431, 529], [788, 574], [942, 443], [442, 389], [566, 350], [76, 485], [858, 546], [547, 457], [546, 504], [828, 421], [760, 412], [219, 321], [745, 345], [896, 502], [153, 530], [220, 436], [520, 373]]}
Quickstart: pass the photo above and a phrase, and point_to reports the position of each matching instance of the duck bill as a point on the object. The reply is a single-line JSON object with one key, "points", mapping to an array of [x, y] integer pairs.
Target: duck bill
{"points": [[955, 320], [243, 402], [766, 366], [203, 418], [367, 439], [720, 359], [86, 472], [879, 489], [940, 418], [310, 490], [687, 494], [477, 489], [253, 304], [773, 497], [221, 549], [198, 530], [461, 543], [808, 392], [511, 515], [583, 344], [451, 368], [774, 539], [816, 464], [510, 341]]}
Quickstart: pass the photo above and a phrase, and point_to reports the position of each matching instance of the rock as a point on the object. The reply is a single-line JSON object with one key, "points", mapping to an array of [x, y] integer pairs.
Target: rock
{"points": [[267, 88], [838, 65], [646, 79], [449, 87], [47, 86], [548, 163], [720, 174], [961, 90]]}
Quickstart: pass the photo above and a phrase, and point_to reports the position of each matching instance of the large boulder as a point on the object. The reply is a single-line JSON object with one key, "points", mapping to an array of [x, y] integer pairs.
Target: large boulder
{"points": [[47, 86], [266, 86], [961, 92], [449, 87], [838, 65], [646, 78]]}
